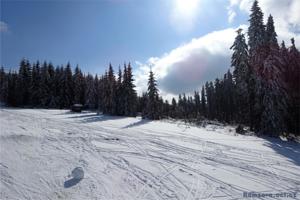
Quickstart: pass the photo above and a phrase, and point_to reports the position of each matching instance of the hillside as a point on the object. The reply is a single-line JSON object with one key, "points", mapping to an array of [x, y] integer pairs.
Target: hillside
{"points": [[55, 154]]}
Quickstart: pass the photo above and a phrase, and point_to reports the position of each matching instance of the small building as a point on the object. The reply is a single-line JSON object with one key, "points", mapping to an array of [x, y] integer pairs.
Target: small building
{"points": [[77, 108]]}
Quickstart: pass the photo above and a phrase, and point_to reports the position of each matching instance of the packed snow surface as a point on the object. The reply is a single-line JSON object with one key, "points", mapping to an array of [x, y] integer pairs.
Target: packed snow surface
{"points": [[56, 154]]}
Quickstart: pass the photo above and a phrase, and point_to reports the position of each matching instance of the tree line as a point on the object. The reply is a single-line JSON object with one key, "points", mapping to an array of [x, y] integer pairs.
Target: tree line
{"points": [[262, 91]]}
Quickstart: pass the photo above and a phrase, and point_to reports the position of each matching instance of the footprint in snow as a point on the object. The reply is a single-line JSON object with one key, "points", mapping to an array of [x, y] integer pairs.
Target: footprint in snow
{"points": [[77, 175]]}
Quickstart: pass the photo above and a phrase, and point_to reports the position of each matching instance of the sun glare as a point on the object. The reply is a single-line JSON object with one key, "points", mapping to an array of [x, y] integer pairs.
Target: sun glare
{"points": [[186, 7]]}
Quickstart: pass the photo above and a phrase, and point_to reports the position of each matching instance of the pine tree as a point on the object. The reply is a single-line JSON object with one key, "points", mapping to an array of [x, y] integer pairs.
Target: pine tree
{"points": [[96, 86], [13, 92], [173, 112], [78, 86], [130, 96], [52, 101], [120, 93], [256, 30], [203, 102], [68, 84], [44, 85], [3, 86], [90, 92], [293, 87], [153, 98], [258, 52], [275, 97], [35, 85], [241, 73], [197, 104], [271, 35], [110, 92], [229, 108], [24, 80]]}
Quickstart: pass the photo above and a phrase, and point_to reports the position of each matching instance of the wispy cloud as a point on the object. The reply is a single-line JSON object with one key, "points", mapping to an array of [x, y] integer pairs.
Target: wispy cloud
{"points": [[3, 27]]}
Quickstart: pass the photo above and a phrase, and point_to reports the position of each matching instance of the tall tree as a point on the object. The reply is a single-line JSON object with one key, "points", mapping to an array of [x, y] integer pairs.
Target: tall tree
{"points": [[153, 98], [271, 35], [275, 99], [203, 101], [130, 93], [35, 85], [256, 30], [24, 82], [258, 52], [3, 86], [241, 74]]}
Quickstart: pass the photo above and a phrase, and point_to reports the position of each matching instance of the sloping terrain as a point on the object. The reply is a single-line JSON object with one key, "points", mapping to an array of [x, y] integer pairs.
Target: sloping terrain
{"points": [[55, 154]]}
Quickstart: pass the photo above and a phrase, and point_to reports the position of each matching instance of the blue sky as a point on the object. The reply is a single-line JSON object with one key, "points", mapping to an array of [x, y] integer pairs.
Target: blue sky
{"points": [[94, 33], [182, 39]]}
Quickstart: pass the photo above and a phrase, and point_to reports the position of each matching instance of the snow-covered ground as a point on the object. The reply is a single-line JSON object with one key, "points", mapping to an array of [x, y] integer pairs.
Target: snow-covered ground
{"points": [[55, 154]]}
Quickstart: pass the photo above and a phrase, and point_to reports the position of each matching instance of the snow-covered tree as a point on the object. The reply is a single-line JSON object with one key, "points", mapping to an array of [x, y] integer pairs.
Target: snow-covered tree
{"points": [[241, 74], [275, 99], [256, 30]]}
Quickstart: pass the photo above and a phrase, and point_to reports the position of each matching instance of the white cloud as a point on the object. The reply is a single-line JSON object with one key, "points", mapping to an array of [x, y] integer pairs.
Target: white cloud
{"points": [[184, 14], [3, 27], [189, 66]]}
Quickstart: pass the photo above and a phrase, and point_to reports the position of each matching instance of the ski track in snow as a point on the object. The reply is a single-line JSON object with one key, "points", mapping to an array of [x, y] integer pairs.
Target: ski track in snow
{"points": [[130, 158]]}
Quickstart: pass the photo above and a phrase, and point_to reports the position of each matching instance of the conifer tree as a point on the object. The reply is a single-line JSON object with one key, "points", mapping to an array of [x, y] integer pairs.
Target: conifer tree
{"points": [[153, 98], [275, 98], [90, 92], [3, 86], [68, 86], [35, 84], [271, 35], [197, 104], [130, 96], [203, 102], [256, 30], [24, 80], [120, 92], [241, 73]]}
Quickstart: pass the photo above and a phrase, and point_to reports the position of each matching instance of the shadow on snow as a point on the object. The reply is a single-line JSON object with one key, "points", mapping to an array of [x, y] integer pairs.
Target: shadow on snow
{"points": [[290, 150]]}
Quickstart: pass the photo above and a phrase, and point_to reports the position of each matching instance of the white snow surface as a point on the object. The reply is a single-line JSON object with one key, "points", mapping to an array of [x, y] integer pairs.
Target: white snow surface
{"points": [[132, 159]]}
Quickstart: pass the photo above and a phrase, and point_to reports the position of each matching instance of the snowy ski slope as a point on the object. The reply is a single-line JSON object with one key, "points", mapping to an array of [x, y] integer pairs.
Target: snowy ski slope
{"points": [[55, 154]]}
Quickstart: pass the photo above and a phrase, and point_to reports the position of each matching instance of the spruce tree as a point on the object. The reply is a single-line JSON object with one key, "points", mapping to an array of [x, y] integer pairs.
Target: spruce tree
{"points": [[153, 98], [275, 99], [3, 86], [241, 74], [120, 93], [258, 52], [90, 92], [68, 86], [256, 30], [271, 35], [35, 85], [203, 102], [130, 96], [24, 80], [293, 77], [197, 109], [173, 112]]}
